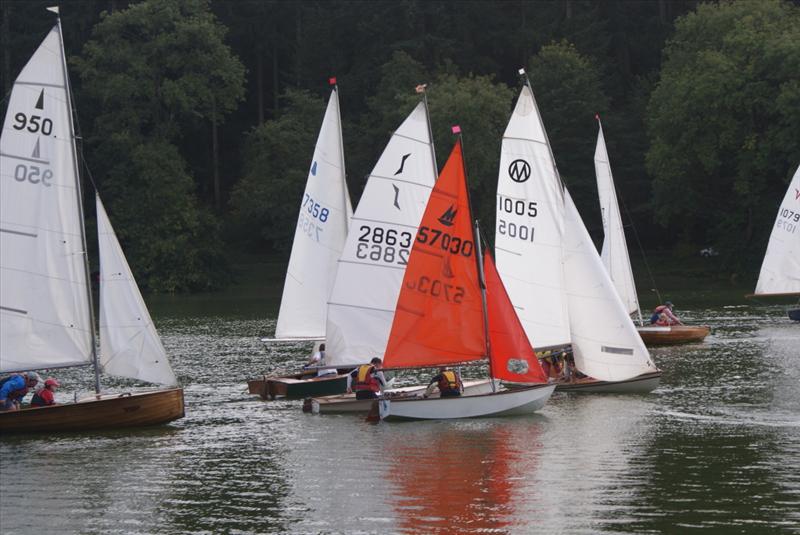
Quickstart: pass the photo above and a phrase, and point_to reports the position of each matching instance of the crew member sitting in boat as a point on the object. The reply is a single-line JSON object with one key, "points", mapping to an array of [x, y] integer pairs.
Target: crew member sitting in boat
{"points": [[14, 388], [367, 381], [663, 316], [447, 381], [45, 396], [318, 359]]}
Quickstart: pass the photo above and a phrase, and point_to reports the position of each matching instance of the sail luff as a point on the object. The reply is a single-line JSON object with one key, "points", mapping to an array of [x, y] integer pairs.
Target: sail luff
{"points": [[79, 199]]}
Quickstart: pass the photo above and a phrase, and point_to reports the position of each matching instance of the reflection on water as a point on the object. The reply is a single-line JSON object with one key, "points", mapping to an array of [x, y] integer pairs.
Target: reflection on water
{"points": [[715, 448]]}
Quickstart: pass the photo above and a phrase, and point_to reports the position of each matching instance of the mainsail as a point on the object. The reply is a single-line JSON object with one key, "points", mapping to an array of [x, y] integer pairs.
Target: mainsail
{"points": [[615, 250], [45, 319], [553, 263], [529, 226], [319, 238], [780, 271], [439, 316], [129, 344], [371, 268]]}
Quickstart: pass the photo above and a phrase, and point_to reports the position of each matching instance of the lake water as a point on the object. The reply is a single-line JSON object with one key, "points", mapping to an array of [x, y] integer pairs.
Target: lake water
{"points": [[716, 448]]}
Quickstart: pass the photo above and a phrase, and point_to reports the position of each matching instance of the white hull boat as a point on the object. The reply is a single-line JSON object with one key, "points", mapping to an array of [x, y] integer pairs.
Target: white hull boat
{"points": [[502, 403], [347, 403]]}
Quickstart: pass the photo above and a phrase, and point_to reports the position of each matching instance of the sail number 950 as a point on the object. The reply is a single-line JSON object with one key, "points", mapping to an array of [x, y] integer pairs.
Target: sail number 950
{"points": [[34, 124], [383, 245]]}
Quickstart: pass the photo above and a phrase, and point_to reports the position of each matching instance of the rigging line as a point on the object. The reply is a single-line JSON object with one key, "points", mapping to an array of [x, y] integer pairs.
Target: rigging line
{"points": [[639, 243]]}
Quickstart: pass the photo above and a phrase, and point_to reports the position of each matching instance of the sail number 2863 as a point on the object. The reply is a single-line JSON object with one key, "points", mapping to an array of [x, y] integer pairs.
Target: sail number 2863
{"points": [[379, 244]]}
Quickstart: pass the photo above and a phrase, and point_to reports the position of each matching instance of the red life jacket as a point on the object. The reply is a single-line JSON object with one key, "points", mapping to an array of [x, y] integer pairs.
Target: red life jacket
{"points": [[448, 382], [365, 380]]}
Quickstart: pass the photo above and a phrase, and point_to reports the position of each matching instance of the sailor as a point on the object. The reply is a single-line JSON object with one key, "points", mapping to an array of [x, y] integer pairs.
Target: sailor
{"points": [[14, 388], [447, 381], [367, 381], [45, 396], [663, 315], [317, 360]]}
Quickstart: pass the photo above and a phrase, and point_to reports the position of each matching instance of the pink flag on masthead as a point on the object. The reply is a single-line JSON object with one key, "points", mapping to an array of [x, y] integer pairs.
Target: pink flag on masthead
{"points": [[456, 129]]}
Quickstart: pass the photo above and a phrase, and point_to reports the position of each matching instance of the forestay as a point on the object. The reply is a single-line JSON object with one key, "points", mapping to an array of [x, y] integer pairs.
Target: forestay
{"points": [[129, 344], [319, 238], [45, 319], [615, 250], [605, 343], [375, 255], [780, 271], [529, 226]]}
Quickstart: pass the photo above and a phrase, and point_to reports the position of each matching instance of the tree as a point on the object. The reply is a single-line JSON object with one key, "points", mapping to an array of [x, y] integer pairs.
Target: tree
{"points": [[723, 123], [154, 72], [277, 156], [569, 93]]}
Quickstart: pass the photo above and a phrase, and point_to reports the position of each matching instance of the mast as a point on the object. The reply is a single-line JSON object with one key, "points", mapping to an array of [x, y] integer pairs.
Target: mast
{"points": [[345, 192], [527, 82], [476, 239], [422, 88], [79, 199]]}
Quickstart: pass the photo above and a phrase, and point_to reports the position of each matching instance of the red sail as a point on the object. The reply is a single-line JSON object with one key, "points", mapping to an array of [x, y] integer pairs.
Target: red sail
{"points": [[513, 358], [439, 317]]}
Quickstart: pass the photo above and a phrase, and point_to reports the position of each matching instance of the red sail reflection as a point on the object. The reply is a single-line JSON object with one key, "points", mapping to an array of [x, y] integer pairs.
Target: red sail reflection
{"points": [[451, 478]]}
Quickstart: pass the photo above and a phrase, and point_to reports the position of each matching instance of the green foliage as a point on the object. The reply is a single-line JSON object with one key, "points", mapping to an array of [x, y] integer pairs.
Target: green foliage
{"points": [[170, 241], [724, 121], [569, 92], [481, 108], [150, 72], [277, 156]]}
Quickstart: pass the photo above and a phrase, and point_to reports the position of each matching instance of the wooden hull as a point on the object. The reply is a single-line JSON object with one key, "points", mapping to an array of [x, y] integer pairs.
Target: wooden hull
{"points": [[347, 403], [106, 411], [794, 314], [654, 335], [502, 403], [641, 384], [298, 386]]}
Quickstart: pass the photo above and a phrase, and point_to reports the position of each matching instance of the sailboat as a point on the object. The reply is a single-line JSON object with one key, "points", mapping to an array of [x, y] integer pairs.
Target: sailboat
{"points": [[617, 262], [322, 225], [46, 316], [780, 271], [375, 257], [453, 309], [555, 278]]}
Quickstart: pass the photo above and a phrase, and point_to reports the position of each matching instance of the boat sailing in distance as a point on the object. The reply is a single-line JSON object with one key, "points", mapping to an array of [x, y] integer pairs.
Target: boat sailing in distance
{"points": [[617, 261], [564, 297], [46, 317], [453, 310], [322, 226], [780, 271]]}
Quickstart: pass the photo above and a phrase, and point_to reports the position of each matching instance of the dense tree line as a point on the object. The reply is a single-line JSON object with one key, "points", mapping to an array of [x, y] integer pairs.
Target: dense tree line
{"points": [[199, 117]]}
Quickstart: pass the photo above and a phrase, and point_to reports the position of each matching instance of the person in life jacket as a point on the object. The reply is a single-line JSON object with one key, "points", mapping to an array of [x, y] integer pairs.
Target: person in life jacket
{"points": [[663, 315], [45, 396], [367, 381], [14, 388], [447, 381]]}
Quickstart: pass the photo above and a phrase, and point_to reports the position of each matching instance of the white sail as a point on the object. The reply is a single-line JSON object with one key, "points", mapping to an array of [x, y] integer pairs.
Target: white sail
{"points": [[780, 271], [605, 343], [129, 344], [45, 319], [322, 225], [529, 227], [615, 249], [371, 269]]}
